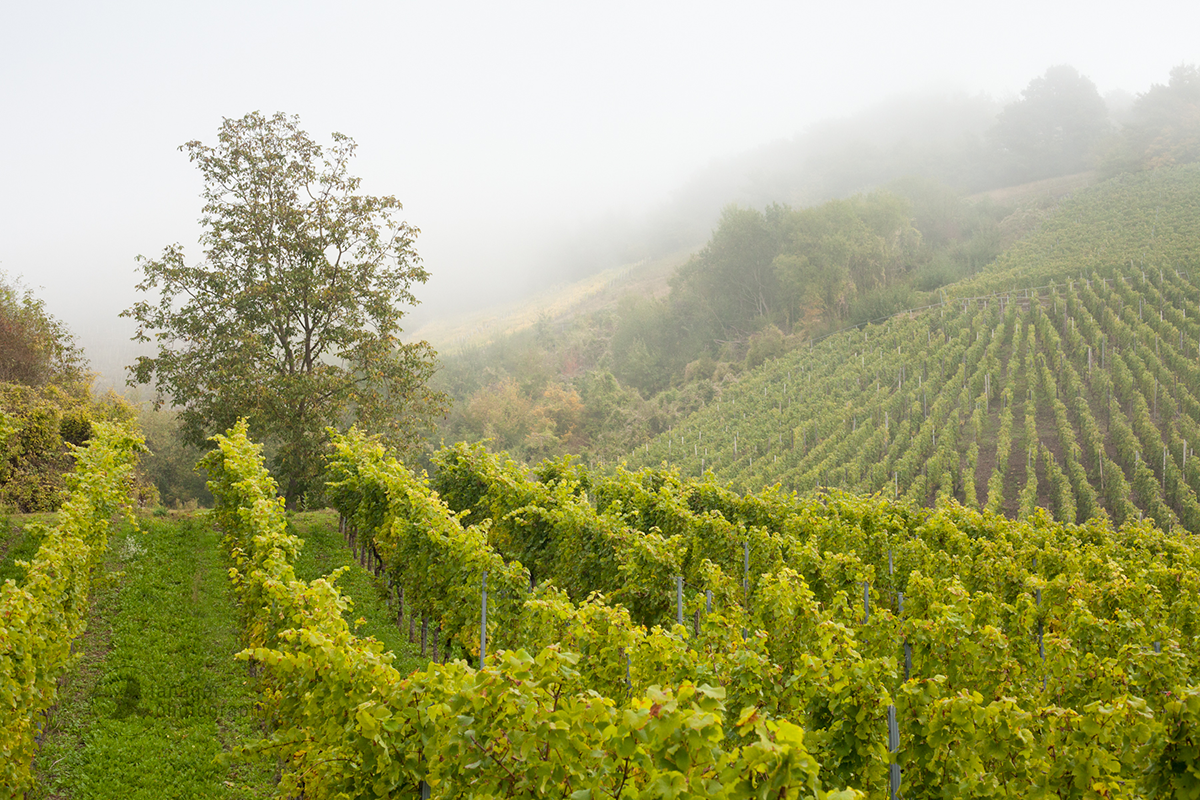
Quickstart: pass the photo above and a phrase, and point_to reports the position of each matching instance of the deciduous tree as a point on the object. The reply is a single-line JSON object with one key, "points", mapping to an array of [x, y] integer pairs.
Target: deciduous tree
{"points": [[292, 318], [1164, 126], [1055, 128]]}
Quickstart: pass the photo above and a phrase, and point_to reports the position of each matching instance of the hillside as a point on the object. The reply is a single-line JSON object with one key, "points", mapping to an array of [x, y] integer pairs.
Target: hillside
{"points": [[565, 301], [1065, 376]]}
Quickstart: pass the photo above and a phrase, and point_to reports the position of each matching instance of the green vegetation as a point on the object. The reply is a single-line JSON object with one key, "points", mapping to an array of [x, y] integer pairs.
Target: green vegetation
{"points": [[43, 615], [38, 428], [898, 234], [767, 282], [1018, 658], [1056, 128], [157, 697], [391, 733], [20, 538], [1004, 604], [1164, 126], [152, 703], [371, 613], [35, 348], [1077, 395], [45, 404], [293, 317], [170, 463]]}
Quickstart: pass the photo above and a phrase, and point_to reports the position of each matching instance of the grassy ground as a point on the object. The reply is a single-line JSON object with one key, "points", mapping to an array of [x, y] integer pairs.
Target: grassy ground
{"points": [[156, 700], [324, 551], [156, 696]]}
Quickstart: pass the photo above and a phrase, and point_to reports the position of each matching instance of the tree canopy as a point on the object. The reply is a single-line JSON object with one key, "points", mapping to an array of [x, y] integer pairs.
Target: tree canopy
{"points": [[45, 401], [779, 265], [1164, 126], [35, 348], [292, 318], [1055, 128]]}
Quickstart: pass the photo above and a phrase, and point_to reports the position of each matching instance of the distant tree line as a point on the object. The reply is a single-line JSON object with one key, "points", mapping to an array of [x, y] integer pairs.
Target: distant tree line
{"points": [[783, 272], [1163, 128], [1059, 125]]}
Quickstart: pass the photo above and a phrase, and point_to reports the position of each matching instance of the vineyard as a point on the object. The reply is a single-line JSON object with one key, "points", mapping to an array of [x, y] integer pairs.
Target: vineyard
{"points": [[671, 638], [973, 573], [1065, 378], [643, 635]]}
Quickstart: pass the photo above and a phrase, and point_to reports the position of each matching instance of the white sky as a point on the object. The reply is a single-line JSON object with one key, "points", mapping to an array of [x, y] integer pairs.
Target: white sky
{"points": [[491, 122]]}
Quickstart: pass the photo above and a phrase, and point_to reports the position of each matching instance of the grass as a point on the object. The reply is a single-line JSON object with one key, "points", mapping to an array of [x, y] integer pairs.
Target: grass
{"points": [[323, 551], [156, 696], [156, 701]]}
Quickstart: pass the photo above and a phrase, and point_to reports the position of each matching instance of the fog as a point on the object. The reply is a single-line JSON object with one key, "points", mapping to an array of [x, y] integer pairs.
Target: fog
{"points": [[530, 142]]}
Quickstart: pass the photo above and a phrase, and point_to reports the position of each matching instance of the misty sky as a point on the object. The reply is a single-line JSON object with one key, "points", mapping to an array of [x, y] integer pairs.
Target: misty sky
{"points": [[494, 123]]}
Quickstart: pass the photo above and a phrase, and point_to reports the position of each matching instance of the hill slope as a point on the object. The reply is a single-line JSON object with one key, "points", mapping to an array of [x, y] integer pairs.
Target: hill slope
{"points": [[1066, 377], [557, 304]]}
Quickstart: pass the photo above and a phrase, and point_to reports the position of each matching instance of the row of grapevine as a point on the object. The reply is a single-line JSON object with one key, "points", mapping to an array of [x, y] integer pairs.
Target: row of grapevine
{"points": [[590, 551], [41, 617], [1137, 376], [820, 539], [863, 458], [348, 725], [990, 610]]}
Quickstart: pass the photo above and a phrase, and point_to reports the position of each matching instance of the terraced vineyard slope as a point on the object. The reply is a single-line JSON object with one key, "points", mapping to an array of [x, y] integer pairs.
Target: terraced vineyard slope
{"points": [[1067, 377]]}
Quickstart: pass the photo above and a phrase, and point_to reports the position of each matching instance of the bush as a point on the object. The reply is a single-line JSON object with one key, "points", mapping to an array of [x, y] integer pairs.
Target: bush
{"points": [[766, 344], [699, 370]]}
